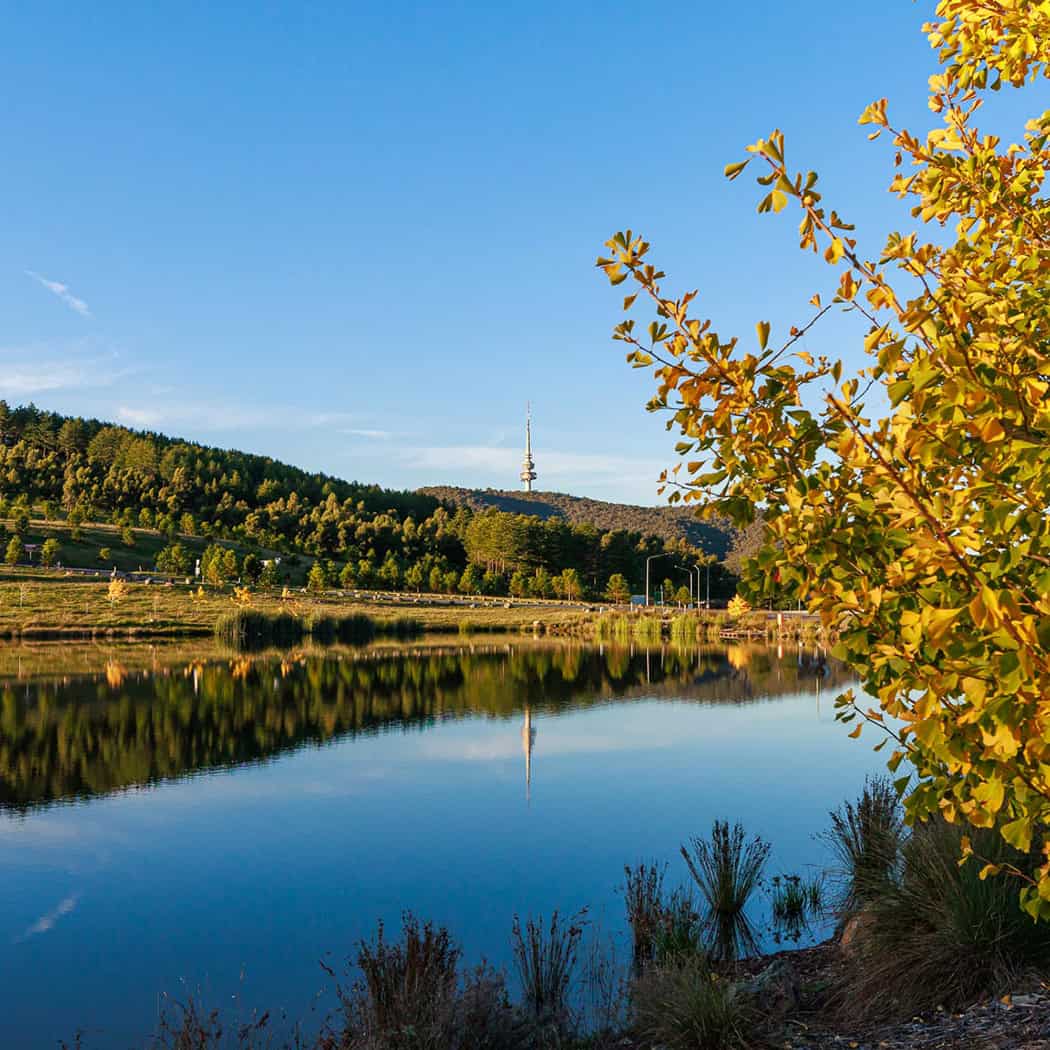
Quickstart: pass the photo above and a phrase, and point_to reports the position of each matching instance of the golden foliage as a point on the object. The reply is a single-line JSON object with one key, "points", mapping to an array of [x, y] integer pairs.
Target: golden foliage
{"points": [[921, 537]]}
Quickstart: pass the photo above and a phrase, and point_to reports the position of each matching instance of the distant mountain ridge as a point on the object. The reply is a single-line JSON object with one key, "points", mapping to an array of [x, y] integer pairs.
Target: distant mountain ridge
{"points": [[669, 523]]}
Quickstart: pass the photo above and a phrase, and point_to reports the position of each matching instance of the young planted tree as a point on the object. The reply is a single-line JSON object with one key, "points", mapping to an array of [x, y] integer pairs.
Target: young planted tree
{"points": [[13, 554], [921, 537], [617, 590], [49, 552]]}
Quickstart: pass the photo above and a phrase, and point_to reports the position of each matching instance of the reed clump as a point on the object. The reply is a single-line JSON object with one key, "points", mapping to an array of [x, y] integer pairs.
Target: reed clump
{"points": [[866, 837], [648, 630], [727, 869], [545, 959], [248, 629], [685, 629], [612, 627]]}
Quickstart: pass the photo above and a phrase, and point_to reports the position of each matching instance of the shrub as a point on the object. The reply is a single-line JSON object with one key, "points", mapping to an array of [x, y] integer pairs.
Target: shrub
{"points": [[726, 870], [643, 897], [684, 1006], [412, 997], [940, 935], [104, 553], [865, 837], [738, 606]]}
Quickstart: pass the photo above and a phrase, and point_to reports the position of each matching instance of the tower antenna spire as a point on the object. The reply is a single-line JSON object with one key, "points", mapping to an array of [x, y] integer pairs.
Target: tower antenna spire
{"points": [[528, 467]]}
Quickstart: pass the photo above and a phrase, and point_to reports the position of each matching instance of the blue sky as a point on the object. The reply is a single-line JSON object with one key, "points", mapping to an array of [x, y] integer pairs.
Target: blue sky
{"points": [[358, 237]]}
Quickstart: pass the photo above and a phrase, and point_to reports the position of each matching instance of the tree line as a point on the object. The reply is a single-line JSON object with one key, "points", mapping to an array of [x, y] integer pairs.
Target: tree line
{"points": [[356, 535]]}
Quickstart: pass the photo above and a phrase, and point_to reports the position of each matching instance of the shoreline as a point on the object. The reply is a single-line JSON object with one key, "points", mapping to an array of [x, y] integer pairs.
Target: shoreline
{"points": [[58, 605]]}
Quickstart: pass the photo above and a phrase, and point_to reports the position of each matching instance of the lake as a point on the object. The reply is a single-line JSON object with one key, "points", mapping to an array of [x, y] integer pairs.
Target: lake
{"points": [[179, 819]]}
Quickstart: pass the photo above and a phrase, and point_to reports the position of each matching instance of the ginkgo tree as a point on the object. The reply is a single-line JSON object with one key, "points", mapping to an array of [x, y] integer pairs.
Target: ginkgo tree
{"points": [[921, 537]]}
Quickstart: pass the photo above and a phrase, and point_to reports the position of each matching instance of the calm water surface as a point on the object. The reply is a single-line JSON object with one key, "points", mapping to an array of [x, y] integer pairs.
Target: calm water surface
{"points": [[176, 820]]}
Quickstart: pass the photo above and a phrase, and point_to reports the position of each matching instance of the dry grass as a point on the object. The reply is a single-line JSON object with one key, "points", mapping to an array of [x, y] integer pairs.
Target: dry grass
{"points": [[682, 1005], [940, 935], [43, 604]]}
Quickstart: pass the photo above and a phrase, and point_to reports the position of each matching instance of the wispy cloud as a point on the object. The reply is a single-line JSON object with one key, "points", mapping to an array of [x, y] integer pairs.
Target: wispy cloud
{"points": [[29, 370], [551, 464], [63, 292], [47, 921], [138, 417], [189, 412], [374, 435]]}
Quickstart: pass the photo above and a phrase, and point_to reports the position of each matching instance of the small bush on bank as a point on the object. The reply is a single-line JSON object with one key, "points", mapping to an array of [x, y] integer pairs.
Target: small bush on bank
{"points": [[939, 935], [683, 1005]]}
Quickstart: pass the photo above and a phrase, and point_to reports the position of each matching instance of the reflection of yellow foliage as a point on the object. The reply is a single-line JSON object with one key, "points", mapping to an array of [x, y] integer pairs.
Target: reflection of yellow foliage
{"points": [[239, 668], [115, 674], [117, 591], [738, 606], [198, 594], [242, 596], [738, 656]]}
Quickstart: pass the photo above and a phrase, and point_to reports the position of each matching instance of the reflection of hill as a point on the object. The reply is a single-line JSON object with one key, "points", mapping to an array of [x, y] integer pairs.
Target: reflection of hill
{"points": [[83, 736]]}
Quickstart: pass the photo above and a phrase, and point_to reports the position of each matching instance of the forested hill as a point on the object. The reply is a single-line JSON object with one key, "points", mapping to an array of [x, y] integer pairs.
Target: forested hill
{"points": [[65, 471], [669, 523]]}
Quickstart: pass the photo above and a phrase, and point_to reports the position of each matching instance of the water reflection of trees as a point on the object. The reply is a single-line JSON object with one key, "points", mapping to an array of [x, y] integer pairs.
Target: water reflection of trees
{"points": [[83, 736]]}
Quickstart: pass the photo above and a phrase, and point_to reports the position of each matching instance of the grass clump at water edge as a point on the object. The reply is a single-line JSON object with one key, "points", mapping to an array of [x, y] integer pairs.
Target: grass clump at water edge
{"points": [[727, 869]]}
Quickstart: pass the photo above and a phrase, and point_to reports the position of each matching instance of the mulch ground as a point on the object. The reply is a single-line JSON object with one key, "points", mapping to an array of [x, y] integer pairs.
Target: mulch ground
{"points": [[1015, 1022]]}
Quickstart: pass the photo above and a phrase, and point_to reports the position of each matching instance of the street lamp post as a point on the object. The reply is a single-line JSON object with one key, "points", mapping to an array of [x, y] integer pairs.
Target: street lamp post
{"points": [[651, 558]]}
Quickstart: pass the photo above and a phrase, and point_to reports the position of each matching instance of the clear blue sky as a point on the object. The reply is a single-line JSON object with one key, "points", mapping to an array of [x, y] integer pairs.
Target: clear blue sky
{"points": [[357, 237]]}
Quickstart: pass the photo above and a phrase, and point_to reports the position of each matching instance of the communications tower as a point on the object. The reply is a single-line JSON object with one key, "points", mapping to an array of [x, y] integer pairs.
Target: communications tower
{"points": [[528, 467]]}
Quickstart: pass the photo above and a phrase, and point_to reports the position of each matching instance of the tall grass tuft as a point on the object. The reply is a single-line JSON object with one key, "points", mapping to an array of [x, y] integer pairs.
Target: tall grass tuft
{"points": [[648, 630], [939, 935], [727, 869], [248, 629], [685, 629], [612, 627], [865, 837], [545, 960], [684, 1006]]}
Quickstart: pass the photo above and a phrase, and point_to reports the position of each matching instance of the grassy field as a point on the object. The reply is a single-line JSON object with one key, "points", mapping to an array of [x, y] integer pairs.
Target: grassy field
{"points": [[42, 603]]}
